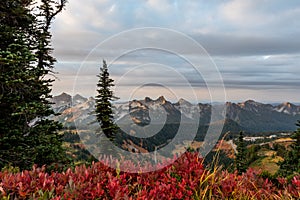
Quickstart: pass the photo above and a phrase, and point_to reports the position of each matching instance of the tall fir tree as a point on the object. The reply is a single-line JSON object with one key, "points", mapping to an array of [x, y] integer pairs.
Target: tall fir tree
{"points": [[104, 110], [291, 164], [240, 159], [27, 136]]}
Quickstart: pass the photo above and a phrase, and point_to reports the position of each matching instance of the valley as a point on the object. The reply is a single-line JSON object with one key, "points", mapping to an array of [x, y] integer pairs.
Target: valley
{"points": [[147, 125]]}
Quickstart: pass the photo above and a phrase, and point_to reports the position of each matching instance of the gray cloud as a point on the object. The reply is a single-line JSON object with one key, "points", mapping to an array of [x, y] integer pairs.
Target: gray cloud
{"points": [[254, 43], [248, 45]]}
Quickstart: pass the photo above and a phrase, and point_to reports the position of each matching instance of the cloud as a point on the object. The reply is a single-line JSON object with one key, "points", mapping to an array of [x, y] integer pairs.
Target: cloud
{"points": [[255, 43], [257, 16], [231, 27], [246, 13], [224, 44]]}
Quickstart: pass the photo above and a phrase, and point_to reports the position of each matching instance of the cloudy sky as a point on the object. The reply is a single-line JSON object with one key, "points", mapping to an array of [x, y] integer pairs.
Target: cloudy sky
{"points": [[192, 49]]}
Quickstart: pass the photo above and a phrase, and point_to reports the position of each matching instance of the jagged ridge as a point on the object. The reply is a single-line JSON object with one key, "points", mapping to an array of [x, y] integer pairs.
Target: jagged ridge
{"points": [[250, 115]]}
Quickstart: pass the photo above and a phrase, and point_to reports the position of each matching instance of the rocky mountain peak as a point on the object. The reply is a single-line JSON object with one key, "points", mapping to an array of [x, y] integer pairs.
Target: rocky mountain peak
{"points": [[63, 98], [78, 96], [250, 102], [254, 106], [77, 99], [91, 99], [148, 99], [288, 104], [161, 100], [182, 101], [288, 108]]}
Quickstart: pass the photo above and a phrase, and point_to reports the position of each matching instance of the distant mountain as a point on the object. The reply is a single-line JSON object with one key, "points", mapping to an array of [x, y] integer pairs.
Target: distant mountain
{"points": [[61, 99], [288, 108], [64, 101], [61, 102], [257, 117], [157, 121], [250, 115], [77, 99]]}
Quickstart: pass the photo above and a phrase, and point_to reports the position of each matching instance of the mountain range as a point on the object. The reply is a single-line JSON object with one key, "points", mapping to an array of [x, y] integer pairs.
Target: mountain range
{"points": [[252, 116], [159, 120]]}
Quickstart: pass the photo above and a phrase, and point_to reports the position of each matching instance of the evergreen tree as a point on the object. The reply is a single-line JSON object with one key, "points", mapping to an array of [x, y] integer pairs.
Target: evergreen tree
{"points": [[27, 136], [104, 110], [241, 160], [291, 164]]}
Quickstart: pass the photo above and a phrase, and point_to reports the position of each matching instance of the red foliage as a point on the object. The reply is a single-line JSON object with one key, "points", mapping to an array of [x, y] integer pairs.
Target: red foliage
{"points": [[185, 179]]}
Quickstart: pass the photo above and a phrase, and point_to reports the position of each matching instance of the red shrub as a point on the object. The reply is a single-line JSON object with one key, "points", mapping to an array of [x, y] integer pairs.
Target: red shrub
{"points": [[185, 179]]}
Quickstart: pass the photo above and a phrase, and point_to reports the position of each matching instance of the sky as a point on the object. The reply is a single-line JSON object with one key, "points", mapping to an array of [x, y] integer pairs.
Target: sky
{"points": [[218, 50]]}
